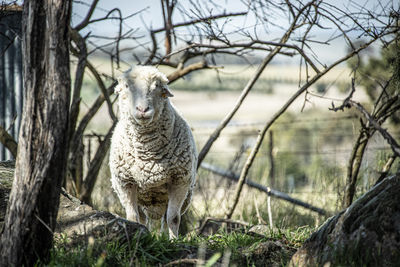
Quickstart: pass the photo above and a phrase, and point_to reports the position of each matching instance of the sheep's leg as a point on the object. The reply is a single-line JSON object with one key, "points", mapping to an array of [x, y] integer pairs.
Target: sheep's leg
{"points": [[128, 198], [133, 211], [176, 197]]}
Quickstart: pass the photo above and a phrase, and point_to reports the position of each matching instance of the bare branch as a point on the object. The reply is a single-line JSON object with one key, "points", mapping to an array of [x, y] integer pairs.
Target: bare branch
{"points": [[95, 166], [244, 93], [262, 188], [87, 117], [386, 169], [8, 141], [86, 20], [80, 72], [186, 70], [206, 19], [103, 90], [392, 142], [251, 45]]}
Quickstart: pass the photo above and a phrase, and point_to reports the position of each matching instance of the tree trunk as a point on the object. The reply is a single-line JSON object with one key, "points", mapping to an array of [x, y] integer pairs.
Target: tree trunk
{"points": [[365, 234], [40, 166], [353, 167]]}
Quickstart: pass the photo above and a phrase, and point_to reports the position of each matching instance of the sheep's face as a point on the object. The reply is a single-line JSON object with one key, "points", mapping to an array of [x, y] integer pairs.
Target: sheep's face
{"points": [[143, 93]]}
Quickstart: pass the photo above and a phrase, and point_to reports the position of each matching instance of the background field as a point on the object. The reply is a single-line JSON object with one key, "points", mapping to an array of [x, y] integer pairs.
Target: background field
{"points": [[311, 144]]}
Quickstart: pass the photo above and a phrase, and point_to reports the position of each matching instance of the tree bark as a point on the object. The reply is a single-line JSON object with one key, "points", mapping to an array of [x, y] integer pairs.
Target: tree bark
{"points": [[40, 166], [365, 234]]}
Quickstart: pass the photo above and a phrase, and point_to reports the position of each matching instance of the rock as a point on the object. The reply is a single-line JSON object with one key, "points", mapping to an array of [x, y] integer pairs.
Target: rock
{"points": [[270, 253], [78, 219], [365, 234], [260, 229], [75, 219]]}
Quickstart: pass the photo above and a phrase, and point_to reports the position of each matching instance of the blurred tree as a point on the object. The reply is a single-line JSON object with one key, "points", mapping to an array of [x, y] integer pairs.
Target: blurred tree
{"points": [[380, 79], [374, 72]]}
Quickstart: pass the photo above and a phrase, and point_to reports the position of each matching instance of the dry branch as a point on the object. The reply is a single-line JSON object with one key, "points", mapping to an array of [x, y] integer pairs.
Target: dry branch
{"points": [[250, 45], [246, 90], [265, 189], [206, 19], [391, 141], [86, 20], [8, 141], [214, 136], [186, 70], [103, 90], [81, 54], [386, 169], [95, 166], [354, 165]]}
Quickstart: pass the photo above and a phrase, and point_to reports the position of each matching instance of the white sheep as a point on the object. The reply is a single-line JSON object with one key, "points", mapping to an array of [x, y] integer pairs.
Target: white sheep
{"points": [[153, 156]]}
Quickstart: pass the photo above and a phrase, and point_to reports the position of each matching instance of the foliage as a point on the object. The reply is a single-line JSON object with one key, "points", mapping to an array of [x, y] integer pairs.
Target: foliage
{"points": [[375, 72]]}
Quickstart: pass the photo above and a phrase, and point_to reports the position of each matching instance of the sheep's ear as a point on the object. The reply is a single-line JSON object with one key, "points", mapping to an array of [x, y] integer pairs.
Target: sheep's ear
{"points": [[166, 92], [119, 87], [122, 80], [127, 72]]}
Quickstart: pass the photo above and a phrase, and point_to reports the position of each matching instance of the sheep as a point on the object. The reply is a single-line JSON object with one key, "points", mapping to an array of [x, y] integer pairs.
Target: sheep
{"points": [[153, 156]]}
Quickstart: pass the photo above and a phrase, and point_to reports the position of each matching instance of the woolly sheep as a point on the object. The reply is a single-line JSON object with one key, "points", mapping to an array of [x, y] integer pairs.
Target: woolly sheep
{"points": [[153, 156]]}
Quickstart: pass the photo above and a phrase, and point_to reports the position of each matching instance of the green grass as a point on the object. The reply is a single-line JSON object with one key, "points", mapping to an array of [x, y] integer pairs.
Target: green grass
{"points": [[153, 249]]}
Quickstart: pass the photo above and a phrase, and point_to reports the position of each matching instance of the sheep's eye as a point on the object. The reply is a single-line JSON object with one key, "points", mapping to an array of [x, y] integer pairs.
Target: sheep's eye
{"points": [[126, 85]]}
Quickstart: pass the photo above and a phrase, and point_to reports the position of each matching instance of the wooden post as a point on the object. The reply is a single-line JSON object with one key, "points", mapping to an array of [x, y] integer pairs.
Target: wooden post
{"points": [[271, 159]]}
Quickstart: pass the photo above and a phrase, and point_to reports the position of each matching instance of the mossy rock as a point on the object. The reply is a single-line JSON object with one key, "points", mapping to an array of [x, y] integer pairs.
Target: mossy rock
{"points": [[365, 234], [75, 219]]}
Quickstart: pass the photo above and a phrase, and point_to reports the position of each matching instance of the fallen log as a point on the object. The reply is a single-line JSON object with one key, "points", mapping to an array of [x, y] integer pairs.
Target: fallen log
{"points": [[271, 192]]}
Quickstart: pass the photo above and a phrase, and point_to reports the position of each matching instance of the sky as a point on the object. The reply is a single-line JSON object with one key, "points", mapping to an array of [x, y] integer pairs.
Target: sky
{"points": [[150, 17]]}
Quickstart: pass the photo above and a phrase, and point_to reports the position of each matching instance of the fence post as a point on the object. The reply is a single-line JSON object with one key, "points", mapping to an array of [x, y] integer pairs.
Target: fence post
{"points": [[11, 91]]}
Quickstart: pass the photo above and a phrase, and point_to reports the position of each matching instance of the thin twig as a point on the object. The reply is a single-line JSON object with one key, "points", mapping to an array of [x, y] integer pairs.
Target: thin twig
{"points": [[8, 141], [182, 24], [86, 20], [388, 137]]}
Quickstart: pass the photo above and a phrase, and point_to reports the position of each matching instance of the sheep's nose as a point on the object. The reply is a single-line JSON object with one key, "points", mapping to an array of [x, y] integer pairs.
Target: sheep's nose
{"points": [[142, 109]]}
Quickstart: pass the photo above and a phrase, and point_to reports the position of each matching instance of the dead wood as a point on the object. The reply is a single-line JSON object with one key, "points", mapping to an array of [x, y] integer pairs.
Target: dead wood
{"points": [[8, 141], [265, 189]]}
